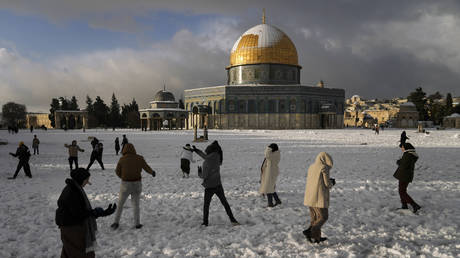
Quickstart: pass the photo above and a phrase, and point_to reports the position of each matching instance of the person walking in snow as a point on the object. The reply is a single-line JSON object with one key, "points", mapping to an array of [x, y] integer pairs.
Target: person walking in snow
{"points": [[129, 170], [403, 139], [317, 196], [269, 174], [23, 154], [35, 143], [73, 153], [117, 146], [76, 218], [405, 174], [186, 156], [124, 141], [211, 180], [96, 154]]}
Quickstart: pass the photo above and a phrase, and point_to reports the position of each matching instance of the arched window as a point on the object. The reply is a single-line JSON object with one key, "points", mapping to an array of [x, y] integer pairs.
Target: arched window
{"points": [[272, 106], [282, 106], [261, 106], [292, 106], [242, 106], [252, 106]]}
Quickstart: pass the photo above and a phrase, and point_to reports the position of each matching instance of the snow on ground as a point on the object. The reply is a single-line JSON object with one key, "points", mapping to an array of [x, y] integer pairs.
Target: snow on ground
{"points": [[362, 219]]}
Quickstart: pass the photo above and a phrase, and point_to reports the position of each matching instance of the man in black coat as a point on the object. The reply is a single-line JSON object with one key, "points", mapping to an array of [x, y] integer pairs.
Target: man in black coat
{"points": [[76, 218], [405, 174], [23, 153]]}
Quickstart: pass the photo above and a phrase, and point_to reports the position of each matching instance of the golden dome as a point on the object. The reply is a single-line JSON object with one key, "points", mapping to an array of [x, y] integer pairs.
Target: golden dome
{"points": [[263, 44]]}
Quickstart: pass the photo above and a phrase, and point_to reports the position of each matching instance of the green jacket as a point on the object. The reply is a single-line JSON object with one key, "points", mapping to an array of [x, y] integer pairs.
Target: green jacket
{"points": [[406, 164]]}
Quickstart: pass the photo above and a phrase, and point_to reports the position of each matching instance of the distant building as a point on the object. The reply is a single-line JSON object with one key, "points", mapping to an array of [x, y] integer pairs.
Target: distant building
{"points": [[407, 116], [263, 89], [452, 121], [163, 108], [38, 120], [367, 113]]}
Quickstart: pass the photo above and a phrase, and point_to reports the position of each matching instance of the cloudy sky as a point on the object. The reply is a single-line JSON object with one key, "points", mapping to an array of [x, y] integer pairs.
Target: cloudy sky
{"points": [[382, 49]]}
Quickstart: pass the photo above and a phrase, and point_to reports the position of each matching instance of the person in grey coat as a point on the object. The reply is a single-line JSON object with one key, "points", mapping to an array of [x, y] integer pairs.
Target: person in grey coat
{"points": [[211, 180]]}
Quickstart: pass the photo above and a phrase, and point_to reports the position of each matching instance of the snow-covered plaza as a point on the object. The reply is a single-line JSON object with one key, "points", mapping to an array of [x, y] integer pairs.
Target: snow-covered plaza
{"points": [[363, 220]]}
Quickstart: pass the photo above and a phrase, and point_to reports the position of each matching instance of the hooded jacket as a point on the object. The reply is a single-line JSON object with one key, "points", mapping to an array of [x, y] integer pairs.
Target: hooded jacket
{"points": [[406, 165], [211, 165], [71, 205], [130, 165], [318, 182], [270, 171]]}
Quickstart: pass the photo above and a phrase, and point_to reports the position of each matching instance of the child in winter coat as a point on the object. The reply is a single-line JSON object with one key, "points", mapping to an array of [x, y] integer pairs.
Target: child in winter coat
{"points": [[129, 169], [76, 218], [96, 154], [23, 153], [186, 156], [405, 175], [269, 174], [35, 143], [317, 195], [211, 180], [73, 153]]}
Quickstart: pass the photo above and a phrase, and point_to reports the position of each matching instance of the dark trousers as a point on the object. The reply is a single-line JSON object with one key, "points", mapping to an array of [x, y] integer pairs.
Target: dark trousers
{"points": [[73, 160], [117, 150], [73, 242], [185, 166], [270, 197], [23, 164], [219, 191], [99, 160], [36, 150], [318, 216], [405, 198]]}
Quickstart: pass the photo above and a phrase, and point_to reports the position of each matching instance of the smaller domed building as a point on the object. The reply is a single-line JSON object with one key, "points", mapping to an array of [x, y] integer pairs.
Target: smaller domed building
{"points": [[163, 108]]}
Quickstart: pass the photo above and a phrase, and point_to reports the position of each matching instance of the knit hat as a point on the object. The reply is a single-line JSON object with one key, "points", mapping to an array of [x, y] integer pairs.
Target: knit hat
{"points": [[79, 175], [273, 146]]}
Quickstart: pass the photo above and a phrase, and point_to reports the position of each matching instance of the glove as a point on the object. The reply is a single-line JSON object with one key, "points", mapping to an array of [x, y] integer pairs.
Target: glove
{"points": [[110, 210], [98, 212], [153, 174], [333, 181]]}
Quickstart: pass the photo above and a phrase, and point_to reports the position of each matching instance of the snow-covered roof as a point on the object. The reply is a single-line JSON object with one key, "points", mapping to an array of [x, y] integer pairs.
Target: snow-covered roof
{"points": [[454, 115]]}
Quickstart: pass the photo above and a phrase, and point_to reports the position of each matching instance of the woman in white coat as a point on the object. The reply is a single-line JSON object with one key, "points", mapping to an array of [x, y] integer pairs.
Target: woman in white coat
{"points": [[317, 195], [269, 174]]}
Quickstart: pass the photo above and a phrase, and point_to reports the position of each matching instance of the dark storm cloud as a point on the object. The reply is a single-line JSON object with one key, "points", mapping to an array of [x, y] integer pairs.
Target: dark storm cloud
{"points": [[370, 48]]}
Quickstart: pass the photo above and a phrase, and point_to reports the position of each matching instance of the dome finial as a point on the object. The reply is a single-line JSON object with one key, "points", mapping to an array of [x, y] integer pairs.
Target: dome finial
{"points": [[263, 15]]}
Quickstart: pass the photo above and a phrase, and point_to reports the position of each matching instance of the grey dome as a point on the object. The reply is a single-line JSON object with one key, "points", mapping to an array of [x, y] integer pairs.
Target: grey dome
{"points": [[164, 96]]}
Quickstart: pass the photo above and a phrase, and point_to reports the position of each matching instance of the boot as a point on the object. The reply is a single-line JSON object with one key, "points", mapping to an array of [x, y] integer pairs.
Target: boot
{"points": [[307, 234], [403, 207], [321, 239], [270, 200], [277, 199], [416, 207]]}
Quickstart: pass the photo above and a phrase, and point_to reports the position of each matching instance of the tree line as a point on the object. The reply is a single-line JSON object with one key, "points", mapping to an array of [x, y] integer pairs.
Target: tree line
{"points": [[432, 107], [99, 113]]}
